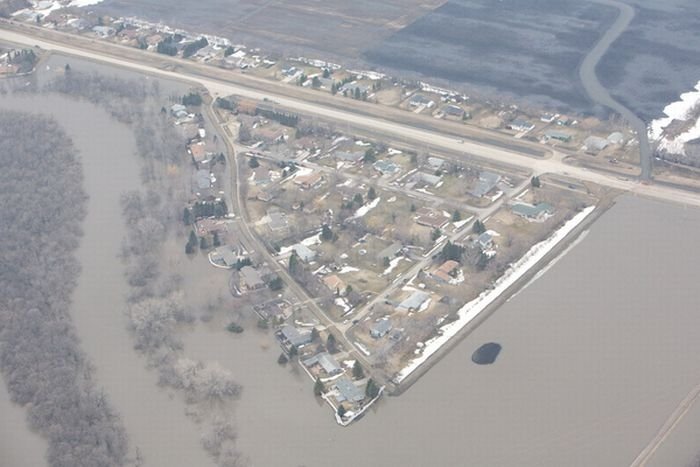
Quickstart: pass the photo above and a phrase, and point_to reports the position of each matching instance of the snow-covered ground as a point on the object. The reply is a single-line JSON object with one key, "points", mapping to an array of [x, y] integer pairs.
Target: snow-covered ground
{"points": [[472, 309], [366, 208], [678, 110], [392, 265]]}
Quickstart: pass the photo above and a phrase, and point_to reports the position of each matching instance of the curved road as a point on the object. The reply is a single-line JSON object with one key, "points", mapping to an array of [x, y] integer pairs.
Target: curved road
{"points": [[598, 93]]}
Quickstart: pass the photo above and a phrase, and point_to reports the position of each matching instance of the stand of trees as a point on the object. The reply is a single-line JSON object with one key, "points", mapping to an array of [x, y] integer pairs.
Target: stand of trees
{"points": [[40, 357]]}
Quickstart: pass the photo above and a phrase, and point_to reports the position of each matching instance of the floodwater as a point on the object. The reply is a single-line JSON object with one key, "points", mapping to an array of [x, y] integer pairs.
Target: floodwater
{"points": [[154, 419], [599, 351]]}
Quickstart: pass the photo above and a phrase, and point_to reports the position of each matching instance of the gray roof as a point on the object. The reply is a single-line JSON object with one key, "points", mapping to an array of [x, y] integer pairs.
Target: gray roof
{"points": [[485, 239], [348, 390], [391, 251], [560, 135], [487, 182], [415, 301], [380, 327], [278, 221], [326, 361], [428, 178], [519, 124], [418, 99], [530, 211], [202, 179], [227, 255], [385, 166], [616, 137], [251, 277], [453, 110], [294, 336], [305, 253], [595, 143], [435, 162], [353, 156]]}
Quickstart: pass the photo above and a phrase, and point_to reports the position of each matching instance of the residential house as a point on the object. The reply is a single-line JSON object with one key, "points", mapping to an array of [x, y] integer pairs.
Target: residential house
{"points": [[293, 337], [390, 252], [435, 163], [454, 111], [251, 278], [616, 138], [558, 136], [277, 222], [418, 100], [485, 240], [431, 218], [309, 181], [199, 152], [444, 273], [348, 391], [428, 179], [353, 157], [380, 328], [537, 212], [385, 167], [335, 284], [595, 144], [324, 361], [304, 253], [487, 181], [414, 302], [520, 125], [103, 31]]}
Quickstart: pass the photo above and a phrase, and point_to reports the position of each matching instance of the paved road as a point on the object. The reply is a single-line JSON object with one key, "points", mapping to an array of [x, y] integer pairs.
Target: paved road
{"points": [[599, 94], [391, 129]]}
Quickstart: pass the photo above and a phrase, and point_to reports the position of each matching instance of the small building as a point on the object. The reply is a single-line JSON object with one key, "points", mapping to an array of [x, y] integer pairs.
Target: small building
{"points": [[558, 136], [348, 391], [414, 302], [292, 336], [177, 109], [380, 328], [304, 253], [595, 144], [445, 271], [226, 256], [485, 240], [251, 278], [538, 212], [520, 125], [277, 222], [335, 284], [326, 362], [385, 167], [353, 157], [418, 100], [427, 178], [487, 182]]}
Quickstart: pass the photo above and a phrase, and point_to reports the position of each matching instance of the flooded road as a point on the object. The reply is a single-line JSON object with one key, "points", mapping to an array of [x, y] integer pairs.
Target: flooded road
{"points": [[596, 354], [155, 420]]}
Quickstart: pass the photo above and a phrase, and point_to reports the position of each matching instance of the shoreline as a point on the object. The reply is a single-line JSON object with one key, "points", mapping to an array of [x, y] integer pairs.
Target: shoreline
{"points": [[476, 311]]}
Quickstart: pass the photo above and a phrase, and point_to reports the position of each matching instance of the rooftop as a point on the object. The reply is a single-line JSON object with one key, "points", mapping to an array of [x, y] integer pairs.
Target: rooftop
{"points": [[348, 391], [414, 301], [487, 182]]}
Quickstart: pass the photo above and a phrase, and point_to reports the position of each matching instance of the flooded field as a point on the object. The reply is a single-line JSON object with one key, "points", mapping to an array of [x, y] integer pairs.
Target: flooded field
{"points": [[583, 378]]}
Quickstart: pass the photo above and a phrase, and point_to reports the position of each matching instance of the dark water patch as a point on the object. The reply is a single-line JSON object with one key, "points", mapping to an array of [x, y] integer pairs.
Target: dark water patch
{"points": [[486, 354]]}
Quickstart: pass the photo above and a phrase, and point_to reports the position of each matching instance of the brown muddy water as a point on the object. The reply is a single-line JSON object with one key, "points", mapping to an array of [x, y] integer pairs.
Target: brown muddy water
{"points": [[596, 354]]}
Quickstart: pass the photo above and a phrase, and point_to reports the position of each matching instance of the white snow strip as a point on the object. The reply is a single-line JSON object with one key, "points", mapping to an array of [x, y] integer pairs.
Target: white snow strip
{"points": [[472, 309], [678, 110], [366, 208], [392, 265], [346, 269]]}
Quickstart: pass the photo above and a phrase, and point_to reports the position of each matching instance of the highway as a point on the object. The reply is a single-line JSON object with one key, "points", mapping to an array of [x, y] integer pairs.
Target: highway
{"points": [[392, 129]]}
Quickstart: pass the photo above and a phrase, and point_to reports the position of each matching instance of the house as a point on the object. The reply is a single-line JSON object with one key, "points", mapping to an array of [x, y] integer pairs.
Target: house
{"points": [[487, 182], [353, 157], [326, 362], [354, 88], [269, 134], [103, 31], [202, 181], [380, 328], [251, 278], [277, 222], [445, 271], [385, 167], [485, 240], [291, 336], [414, 302], [304, 253], [427, 178], [390, 252], [548, 117], [177, 109], [520, 125], [431, 218], [558, 135], [335, 284], [199, 152], [616, 138], [226, 256], [435, 163], [563, 120], [538, 212], [348, 391], [453, 111], [595, 144], [418, 100], [309, 181]]}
